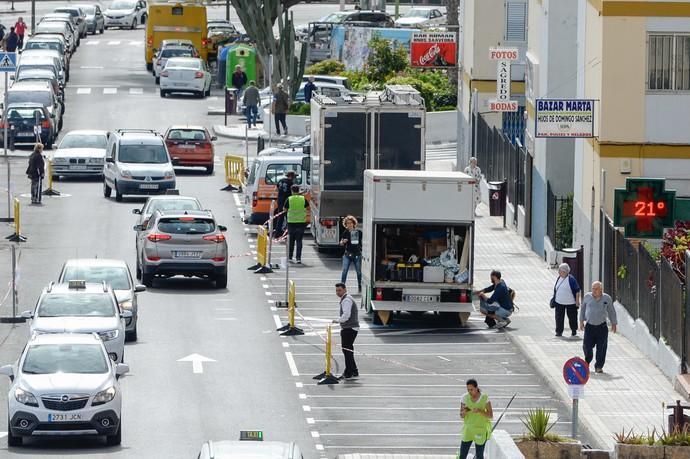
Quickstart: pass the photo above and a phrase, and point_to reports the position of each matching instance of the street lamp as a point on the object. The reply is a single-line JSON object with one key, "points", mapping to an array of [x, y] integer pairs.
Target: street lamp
{"points": [[33, 15]]}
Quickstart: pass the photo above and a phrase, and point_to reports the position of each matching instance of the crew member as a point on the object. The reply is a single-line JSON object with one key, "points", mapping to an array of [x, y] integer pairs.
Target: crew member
{"points": [[284, 190], [349, 326], [296, 207]]}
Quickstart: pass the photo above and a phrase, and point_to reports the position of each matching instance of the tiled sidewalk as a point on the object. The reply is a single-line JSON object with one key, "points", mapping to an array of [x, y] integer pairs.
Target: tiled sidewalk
{"points": [[631, 391]]}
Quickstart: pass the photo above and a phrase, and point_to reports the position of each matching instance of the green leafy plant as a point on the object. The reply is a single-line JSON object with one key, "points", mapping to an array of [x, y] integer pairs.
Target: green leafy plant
{"points": [[622, 272], [385, 59], [653, 251], [679, 437], [327, 67], [633, 438], [673, 246], [538, 428], [300, 108], [564, 223]]}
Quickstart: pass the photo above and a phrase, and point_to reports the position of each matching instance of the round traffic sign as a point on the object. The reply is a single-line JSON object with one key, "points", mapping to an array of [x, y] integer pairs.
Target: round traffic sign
{"points": [[576, 371]]}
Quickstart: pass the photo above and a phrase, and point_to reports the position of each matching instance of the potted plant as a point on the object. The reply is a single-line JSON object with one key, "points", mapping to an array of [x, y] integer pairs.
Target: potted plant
{"points": [[540, 443], [676, 444], [631, 445]]}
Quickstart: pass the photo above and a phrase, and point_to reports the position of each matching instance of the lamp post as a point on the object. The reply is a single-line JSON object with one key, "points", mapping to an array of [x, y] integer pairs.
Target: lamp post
{"points": [[33, 15]]}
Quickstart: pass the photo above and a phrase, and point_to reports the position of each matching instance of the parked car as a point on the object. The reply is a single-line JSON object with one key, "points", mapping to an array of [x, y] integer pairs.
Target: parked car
{"points": [[36, 54], [166, 53], [59, 28], [80, 153], [45, 41], [188, 243], [66, 19], [24, 119], [137, 162], [37, 93], [190, 146], [39, 75], [421, 17], [78, 17], [186, 74], [336, 17], [64, 384], [172, 42], [125, 13], [95, 21]]}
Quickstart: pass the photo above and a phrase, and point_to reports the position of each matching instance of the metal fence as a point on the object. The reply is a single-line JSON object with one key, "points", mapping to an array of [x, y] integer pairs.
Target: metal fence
{"points": [[626, 274], [648, 290], [608, 251], [686, 313], [671, 306], [560, 237]]}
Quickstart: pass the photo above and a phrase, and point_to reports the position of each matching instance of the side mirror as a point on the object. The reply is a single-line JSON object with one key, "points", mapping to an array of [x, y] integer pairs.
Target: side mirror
{"points": [[138, 227], [136, 211], [7, 370], [28, 314], [222, 228], [139, 288], [126, 314], [214, 138], [11, 77], [306, 163], [108, 159], [121, 369], [175, 161]]}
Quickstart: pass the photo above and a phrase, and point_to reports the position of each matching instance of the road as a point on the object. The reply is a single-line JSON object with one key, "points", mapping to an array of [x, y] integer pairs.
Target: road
{"points": [[412, 372]]}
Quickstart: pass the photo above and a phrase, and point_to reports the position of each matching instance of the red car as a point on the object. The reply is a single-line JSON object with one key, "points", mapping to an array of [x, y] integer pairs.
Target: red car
{"points": [[190, 146]]}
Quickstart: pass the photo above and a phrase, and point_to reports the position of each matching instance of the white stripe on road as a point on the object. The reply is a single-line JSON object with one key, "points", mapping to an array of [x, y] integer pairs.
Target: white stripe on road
{"points": [[114, 42], [459, 397], [136, 90], [83, 90], [109, 90], [276, 319], [419, 354], [136, 43], [291, 364], [92, 67], [93, 42]]}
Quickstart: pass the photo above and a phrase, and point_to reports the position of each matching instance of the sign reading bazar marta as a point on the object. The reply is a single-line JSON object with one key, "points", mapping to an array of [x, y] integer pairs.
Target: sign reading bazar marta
{"points": [[564, 118], [503, 58], [433, 49], [644, 208]]}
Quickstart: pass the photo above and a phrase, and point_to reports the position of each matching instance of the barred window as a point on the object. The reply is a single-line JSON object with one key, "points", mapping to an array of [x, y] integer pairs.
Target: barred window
{"points": [[516, 21], [668, 62]]}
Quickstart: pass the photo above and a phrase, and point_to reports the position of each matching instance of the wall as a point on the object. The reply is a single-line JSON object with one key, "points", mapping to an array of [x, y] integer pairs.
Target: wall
{"points": [[441, 127]]}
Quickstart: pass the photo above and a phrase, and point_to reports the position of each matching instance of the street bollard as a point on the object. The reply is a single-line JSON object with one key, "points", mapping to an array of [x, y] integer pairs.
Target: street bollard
{"points": [[17, 235], [50, 191], [13, 319], [327, 377], [261, 266], [290, 329]]}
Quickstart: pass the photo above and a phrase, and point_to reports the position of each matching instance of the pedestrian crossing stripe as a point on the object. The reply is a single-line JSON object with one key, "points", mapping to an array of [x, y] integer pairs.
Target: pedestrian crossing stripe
{"points": [[115, 43]]}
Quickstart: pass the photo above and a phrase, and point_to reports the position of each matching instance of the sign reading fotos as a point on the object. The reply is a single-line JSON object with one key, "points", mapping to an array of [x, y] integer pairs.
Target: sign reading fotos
{"points": [[572, 118], [503, 58], [433, 50]]}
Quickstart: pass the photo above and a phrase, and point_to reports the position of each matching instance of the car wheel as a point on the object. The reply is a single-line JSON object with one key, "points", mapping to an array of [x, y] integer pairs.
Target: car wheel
{"points": [[102, 29], [107, 191], [118, 195], [144, 18], [163, 93], [12, 440], [200, 94], [209, 169], [208, 91], [158, 80], [149, 66], [60, 124], [131, 336], [222, 280], [134, 23], [138, 270], [147, 279], [114, 440]]}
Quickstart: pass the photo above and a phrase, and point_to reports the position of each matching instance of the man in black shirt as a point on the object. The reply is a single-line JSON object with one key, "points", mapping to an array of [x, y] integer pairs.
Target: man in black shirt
{"points": [[284, 191]]}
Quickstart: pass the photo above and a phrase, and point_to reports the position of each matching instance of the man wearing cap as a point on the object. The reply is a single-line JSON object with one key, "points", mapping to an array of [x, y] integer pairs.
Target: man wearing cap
{"points": [[239, 80], [284, 191], [281, 105]]}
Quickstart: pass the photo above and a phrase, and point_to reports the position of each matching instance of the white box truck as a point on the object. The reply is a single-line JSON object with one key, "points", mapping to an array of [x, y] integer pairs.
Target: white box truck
{"points": [[418, 243]]}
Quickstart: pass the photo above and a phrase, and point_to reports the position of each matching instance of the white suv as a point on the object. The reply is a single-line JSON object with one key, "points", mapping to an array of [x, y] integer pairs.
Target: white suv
{"points": [[64, 384], [137, 162]]}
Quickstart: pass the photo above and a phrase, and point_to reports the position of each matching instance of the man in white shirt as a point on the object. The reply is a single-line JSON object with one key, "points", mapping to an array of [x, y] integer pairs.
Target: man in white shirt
{"points": [[349, 326]]}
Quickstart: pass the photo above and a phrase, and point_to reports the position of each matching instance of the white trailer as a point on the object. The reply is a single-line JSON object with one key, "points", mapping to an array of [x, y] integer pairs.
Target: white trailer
{"points": [[418, 243]]}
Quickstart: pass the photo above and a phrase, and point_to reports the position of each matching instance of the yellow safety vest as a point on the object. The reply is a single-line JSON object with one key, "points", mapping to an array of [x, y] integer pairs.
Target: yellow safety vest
{"points": [[297, 212]]}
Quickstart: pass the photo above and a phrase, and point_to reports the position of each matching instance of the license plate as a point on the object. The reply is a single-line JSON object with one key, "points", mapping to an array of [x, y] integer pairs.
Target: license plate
{"points": [[148, 186], [186, 254], [329, 233], [421, 298], [179, 84], [188, 146], [64, 417], [24, 134], [77, 168]]}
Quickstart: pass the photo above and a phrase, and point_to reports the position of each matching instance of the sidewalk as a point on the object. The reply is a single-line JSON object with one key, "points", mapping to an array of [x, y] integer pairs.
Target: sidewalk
{"points": [[631, 391], [239, 131]]}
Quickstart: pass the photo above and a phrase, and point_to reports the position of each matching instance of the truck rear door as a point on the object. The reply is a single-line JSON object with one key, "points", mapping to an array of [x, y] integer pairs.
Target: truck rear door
{"points": [[398, 140], [345, 150]]}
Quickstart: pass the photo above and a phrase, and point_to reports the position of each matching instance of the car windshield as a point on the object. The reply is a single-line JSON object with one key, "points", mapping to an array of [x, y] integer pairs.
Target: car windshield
{"points": [[40, 97], [50, 68], [172, 204], [334, 17], [186, 225], [24, 113], [45, 359], [43, 45], [122, 6], [176, 52], [116, 276], [187, 134], [83, 141], [89, 10], [69, 11], [76, 305], [143, 154], [414, 13]]}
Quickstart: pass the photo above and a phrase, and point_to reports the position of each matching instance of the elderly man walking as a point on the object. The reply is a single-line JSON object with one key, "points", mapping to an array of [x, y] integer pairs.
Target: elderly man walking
{"points": [[597, 306]]}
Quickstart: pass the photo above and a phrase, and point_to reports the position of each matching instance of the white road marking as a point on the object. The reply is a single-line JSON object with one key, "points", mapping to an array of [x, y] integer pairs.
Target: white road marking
{"points": [[263, 278], [109, 90], [273, 308], [265, 285], [299, 385], [236, 198], [443, 358], [197, 362], [114, 42], [314, 434], [319, 446], [293, 366], [93, 42], [136, 43], [83, 90], [306, 408], [92, 67], [302, 396], [276, 319], [285, 344], [136, 90], [311, 421], [225, 318]]}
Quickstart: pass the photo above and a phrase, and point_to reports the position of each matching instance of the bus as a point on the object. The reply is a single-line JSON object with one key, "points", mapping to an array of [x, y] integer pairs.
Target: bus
{"points": [[176, 20]]}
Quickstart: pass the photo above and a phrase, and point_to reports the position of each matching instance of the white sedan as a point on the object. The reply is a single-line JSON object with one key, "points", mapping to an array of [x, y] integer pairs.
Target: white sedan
{"points": [[421, 17], [186, 74], [81, 153]]}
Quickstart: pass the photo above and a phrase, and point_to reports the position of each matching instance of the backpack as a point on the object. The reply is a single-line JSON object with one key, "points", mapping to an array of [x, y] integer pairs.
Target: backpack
{"points": [[511, 292]]}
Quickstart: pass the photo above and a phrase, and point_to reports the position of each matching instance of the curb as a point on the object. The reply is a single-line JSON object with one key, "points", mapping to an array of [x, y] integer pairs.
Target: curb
{"points": [[587, 425]]}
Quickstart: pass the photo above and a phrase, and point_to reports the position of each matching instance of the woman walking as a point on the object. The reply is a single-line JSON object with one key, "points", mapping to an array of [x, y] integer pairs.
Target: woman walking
{"points": [[566, 299], [476, 173], [476, 411], [352, 241]]}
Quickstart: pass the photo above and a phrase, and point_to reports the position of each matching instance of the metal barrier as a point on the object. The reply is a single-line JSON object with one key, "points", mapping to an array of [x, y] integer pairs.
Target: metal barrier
{"points": [[50, 191], [261, 266], [234, 173], [17, 235], [327, 377], [290, 329]]}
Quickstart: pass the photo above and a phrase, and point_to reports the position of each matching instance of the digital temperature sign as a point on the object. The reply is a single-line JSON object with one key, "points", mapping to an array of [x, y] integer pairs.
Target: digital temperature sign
{"points": [[644, 208]]}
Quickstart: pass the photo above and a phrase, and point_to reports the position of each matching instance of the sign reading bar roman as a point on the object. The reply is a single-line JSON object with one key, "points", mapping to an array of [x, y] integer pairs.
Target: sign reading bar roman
{"points": [[433, 49], [564, 118]]}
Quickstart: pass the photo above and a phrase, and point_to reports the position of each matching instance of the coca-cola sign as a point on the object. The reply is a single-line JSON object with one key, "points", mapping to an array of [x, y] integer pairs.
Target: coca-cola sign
{"points": [[433, 49]]}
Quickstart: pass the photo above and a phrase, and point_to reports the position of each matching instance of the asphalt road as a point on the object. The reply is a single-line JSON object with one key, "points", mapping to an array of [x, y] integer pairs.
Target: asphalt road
{"points": [[412, 373]]}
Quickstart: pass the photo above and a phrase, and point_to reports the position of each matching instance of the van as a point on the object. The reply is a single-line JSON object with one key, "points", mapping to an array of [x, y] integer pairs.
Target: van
{"points": [[261, 187]]}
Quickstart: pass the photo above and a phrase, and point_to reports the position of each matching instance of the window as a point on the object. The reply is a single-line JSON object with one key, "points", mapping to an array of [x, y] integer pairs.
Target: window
{"points": [[668, 62], [275, 172], [516, 21]]}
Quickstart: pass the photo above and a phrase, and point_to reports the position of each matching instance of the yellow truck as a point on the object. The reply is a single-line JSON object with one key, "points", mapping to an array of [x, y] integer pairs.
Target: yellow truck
{"points": [[171, 20]]}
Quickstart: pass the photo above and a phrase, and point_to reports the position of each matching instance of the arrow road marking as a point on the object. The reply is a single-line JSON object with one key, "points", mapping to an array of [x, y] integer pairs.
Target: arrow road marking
{"points": [[197, 362]]}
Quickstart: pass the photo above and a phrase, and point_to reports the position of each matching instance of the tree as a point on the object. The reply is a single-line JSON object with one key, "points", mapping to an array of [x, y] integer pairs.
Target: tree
{"points": [[385, 59], [258, 18]]}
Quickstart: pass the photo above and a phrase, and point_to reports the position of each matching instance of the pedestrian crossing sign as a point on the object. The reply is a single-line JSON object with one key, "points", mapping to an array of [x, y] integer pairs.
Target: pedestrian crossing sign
{"points": [[8, 62]]}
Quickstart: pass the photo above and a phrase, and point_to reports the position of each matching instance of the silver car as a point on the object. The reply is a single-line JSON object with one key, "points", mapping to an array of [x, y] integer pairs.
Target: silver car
{"points": [[115, 273], [64, 384], [80, 153], [78, 307], [188, 243]]}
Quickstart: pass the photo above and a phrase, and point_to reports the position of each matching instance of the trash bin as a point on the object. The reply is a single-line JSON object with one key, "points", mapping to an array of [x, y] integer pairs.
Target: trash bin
{"points": [[230, 101], [497, 199], [222, 64], [260, 144], [575, 259]]}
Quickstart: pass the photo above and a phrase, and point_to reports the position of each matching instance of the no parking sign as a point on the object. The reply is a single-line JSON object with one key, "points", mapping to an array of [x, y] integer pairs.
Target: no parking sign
{"points": [[576, 375]]}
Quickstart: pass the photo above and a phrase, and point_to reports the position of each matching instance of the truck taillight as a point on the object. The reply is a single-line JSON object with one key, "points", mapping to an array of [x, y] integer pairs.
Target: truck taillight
{"points": [[328, 222], [204, 42], [255, 201], [464, 296], [149, 41], [379, 294]]}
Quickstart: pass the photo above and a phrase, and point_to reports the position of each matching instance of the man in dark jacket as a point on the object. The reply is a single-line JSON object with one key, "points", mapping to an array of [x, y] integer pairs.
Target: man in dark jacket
{"points": [[251, 101], [36, 172], [309, 89], [499, 306], [239, 80], [11, 41], [284, 191], [281, 105]]}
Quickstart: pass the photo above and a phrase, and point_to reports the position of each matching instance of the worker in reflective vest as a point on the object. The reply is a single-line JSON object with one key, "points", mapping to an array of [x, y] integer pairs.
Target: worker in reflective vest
{"points": [[296, 208]]}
